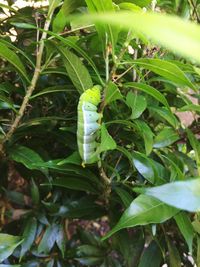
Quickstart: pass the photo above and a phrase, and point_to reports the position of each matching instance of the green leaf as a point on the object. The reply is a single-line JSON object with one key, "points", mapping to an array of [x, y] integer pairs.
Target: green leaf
{"points": [[150, 91], [78, 49], [124, 196], [6, 265], [112, 93], [53, 89], [176, 173], [42, 121], [74, 183], [183, 33], [61, 18], [23, 25], [89, 250], [48, 239], [131, 246], [90, 255], [69, 169], [147, 135], [166, 114], [186, 228], [35, 193], [107, 142], [165, 138], [8, 243], [174, 257], [90, 261], [107, 33], [129, 6], [8, 7], [141, 3], [126, 153], [142, 211], [196, 146], [144, 166], [137, 103], [182, 195], [61, 240], [8, 103], [13, 59], [73, 159], [77, 72], [190, 107], [152, 256], [196, 226], [26, 156], [28, 236], [165, 69], [8, 44]]}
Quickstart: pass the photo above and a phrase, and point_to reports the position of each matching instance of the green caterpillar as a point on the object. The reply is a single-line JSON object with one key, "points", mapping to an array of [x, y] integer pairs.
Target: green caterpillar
{"points": [[88, 125]]}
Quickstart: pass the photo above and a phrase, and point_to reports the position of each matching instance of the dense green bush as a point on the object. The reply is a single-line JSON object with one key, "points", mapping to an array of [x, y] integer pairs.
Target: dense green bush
{"points": [[139, 205]]}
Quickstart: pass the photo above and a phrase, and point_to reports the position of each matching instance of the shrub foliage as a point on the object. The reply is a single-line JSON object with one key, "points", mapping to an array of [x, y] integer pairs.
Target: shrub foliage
{"points": [[138, 206]]}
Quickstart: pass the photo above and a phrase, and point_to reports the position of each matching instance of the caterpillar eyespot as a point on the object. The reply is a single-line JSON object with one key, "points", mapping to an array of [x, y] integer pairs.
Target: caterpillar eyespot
{"points": [[88, 125]]}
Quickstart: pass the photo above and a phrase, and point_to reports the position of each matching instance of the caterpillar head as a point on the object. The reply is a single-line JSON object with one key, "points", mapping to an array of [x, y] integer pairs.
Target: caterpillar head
{"points": [[92, 95]]}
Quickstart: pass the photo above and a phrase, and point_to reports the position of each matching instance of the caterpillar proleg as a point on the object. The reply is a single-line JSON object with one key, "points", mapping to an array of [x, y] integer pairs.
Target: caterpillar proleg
{"points": [[88, 124]]}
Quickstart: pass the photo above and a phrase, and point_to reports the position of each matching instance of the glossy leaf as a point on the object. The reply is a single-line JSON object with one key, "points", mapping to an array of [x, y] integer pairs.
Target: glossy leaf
{"points": [[78, 49], [165, 138], [165, 114], [185, 226], [13, 59], [48, 239], [196, 146], [124, 195], [107, 142], [184, 34], [190, 107], [74, 183], [141, 3], [73, 159], [149, 90], [129, 6], [182, 195], [26, 156], [8, 243], [166, 69], [144, 166], [151, 257], [7, 102], [144, 210], [61, 240], [28, 236], [147, 135], [53, 89], [10, 45], [61, 18], [137, 103], [112, 93], [107, 33], [76, 70], [6, 265], [174, 257]]}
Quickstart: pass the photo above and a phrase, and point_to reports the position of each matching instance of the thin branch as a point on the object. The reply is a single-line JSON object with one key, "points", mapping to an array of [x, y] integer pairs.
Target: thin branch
{"points": [[73, 30], [194, 10], [33, 81]]}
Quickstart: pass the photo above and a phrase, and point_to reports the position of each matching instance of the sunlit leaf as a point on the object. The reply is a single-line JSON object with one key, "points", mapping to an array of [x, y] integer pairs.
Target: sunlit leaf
{"points": [[183, 195], [144, 210], [8, 243]]}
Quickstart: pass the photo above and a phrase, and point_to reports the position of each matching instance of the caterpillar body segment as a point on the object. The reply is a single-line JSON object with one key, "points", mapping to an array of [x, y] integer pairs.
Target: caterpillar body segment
{"points": [[88, 126]]}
